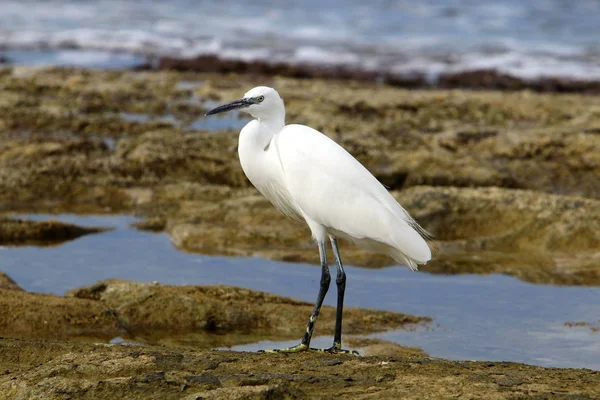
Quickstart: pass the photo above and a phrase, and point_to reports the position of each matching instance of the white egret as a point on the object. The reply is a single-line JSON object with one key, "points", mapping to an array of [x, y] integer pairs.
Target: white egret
{"points": [[309, 177]]}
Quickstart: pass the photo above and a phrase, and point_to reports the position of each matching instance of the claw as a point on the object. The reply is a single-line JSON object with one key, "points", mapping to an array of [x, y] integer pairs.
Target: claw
{"points": [[338, 350], [302, 347], [294, 349]]}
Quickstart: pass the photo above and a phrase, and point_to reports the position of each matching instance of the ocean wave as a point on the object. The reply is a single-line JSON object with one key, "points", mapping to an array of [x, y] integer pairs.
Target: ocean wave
{"points": [[431, 38]]}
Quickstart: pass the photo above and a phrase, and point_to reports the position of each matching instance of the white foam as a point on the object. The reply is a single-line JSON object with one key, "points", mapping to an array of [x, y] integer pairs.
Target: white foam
{"points": [[317, 55], [402, 37], [245, 54], [82, 58]]}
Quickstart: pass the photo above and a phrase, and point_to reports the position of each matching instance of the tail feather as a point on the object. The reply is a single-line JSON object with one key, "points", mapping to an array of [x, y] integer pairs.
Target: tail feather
{"points": [[404, 260]]}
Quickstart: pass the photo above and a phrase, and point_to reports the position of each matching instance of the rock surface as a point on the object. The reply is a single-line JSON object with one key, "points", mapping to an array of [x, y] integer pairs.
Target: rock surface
{"points": [[508, 183], [535, 237], [7, 283], [19, 232], [58, 370], [98, 141], [197, 316]]}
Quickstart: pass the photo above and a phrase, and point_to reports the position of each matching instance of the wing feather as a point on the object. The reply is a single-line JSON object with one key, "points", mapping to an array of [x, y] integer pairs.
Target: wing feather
{"points": [[333, 189]]}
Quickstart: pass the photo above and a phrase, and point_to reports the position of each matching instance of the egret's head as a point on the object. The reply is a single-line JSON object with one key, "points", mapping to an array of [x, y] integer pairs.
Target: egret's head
{"points": [[261, 102]]}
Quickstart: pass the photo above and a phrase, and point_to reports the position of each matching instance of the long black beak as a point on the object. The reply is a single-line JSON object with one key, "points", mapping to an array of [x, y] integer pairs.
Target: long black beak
{"points": [[234, 105]]}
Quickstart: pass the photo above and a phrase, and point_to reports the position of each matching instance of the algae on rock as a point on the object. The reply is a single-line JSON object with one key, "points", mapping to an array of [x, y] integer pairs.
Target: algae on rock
{"points": [[66, 148]]}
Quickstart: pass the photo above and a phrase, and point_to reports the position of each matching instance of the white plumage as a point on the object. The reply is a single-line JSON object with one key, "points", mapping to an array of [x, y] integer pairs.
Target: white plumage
{"points": [[307, 176]]}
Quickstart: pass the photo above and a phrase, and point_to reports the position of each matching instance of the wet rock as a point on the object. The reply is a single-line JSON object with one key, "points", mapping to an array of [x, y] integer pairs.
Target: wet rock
{"points": [[186, 317], [36, 315], [536, 237], [19, 232], [211, 316], [517, 218], [155, 224], [55, 369], [54, 157], [193, 316], [7, 283], [379, 347]]}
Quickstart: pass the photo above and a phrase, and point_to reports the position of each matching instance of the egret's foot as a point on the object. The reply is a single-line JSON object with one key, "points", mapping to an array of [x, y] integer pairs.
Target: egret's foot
{"points": [[338, 350], [302, 347], [294, 349]]}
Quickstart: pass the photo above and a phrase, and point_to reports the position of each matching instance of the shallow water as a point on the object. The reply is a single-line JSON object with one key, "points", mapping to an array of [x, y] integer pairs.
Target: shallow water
{"points": [[492, 317]]}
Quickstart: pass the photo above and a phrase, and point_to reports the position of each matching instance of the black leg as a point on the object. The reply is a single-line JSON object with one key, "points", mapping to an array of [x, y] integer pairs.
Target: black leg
{"points": [[341, 285], [324, 286]]}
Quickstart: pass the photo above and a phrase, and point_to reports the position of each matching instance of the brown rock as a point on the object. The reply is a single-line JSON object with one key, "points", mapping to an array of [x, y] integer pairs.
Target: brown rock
{"points": [[211, 316], [536, 237], [6, 283], [36, 315], [379, 347], [191, 185], [19, 232], [54, 369], [198, 316]]}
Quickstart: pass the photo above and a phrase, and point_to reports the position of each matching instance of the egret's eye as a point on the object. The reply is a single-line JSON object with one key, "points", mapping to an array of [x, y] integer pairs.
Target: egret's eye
{"points": [[260, 98]]}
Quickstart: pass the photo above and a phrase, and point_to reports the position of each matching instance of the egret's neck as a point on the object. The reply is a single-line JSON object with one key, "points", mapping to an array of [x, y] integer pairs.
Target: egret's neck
{"points": [[269, 120], [271, 124], [263, 134], [267, 127]]}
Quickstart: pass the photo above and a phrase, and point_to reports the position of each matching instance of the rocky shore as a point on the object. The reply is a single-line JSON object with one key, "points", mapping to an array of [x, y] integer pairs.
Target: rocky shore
{"points": [[507, 182], [44, 334], [196, 316], [58, 370], [57, 347]]}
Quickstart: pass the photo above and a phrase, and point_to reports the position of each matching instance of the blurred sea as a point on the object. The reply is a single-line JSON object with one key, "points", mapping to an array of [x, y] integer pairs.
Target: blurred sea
{"points": [[528, 39]]}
